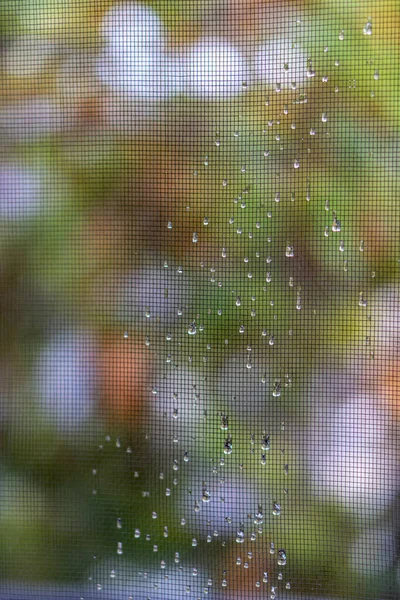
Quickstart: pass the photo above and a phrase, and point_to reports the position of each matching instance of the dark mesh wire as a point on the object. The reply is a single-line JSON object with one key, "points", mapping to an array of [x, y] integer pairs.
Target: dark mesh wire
{"points": [[199, 299]]}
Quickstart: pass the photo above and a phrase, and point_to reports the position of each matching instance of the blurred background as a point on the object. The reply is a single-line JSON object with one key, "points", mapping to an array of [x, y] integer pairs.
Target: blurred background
{"points": [[199, 299]]}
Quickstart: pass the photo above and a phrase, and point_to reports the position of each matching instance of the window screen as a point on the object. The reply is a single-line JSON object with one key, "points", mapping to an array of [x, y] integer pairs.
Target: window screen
{"points": [[199, 299]]}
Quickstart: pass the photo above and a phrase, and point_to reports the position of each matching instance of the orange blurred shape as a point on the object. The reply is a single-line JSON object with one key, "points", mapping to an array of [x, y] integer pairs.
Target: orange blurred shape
{"points": [[390, 382], [125, 371]]}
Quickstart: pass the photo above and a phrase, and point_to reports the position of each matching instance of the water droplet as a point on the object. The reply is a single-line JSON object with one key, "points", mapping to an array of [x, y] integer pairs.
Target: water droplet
{"points": [[192, 329], [206, 497], [336, 225], [289, 251], [126, 335], [169, 225], [195, 238], [276, 509], [324, 117], [224, 422], [224, 182], [276, 392], [137, 533], [119, 548], [228, 445], [296, 164], [240, 536], [376, 75], [119, 523], [361, 301], [341, 246], [265, 443], [367, 28], [258, 517], [341, 35], [281, 558]]}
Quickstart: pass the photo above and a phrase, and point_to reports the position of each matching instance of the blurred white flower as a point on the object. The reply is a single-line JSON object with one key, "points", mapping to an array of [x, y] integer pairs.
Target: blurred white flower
{"points": [[22, 193], [384, 307], [214, 70], [65, 377], [280, 61], [353, 453], [134, 61]]}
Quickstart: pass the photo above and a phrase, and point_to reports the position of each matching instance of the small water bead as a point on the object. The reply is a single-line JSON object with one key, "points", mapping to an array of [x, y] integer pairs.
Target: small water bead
{"points": [[266, 153], [194, 542], [272, 548], [276, 509], [341, 35], [296, 164], [242, 329], [224, 423], [192, 330], [341, 246], [276, 392], [119, 523], [228, 445], [280, 576], [195, 238], [361, 301], [258, 517], [325, 79], [119, 548], [324, 117], [367, 30], [224, 182], [263, 460], [281, 558], [288, 586], [206, 497], [240, 536], [265, 445], [137, 533], [376, 75], [310, 71], [289, 251], [326, 231]]}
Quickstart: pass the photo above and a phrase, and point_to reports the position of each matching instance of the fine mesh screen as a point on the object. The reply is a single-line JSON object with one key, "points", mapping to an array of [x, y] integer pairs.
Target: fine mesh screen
{"points": [[199, 299]]}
